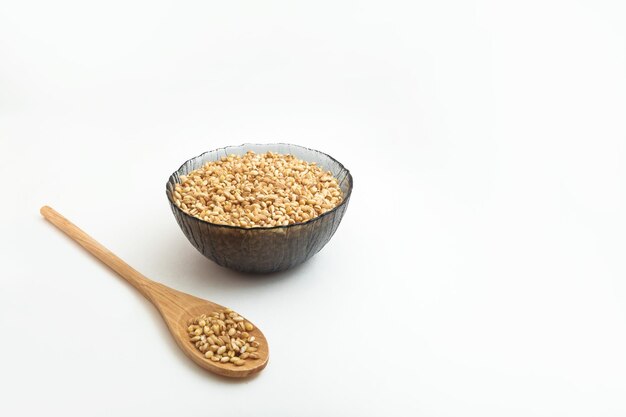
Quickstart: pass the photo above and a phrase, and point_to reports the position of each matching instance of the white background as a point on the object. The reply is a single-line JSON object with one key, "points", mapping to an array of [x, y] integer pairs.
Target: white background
{"points": [[479, 270]]}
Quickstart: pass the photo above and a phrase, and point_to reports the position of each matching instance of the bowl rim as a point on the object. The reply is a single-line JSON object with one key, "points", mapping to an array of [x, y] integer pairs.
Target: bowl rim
{"points": [[227, 226]]}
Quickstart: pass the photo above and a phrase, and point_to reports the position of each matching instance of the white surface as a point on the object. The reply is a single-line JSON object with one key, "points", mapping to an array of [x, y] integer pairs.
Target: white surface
{"points": [[479, 270]]}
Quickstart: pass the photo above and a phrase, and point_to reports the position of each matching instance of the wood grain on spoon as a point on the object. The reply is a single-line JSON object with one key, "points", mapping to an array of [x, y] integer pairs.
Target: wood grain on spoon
{"points": [[176, 308]]}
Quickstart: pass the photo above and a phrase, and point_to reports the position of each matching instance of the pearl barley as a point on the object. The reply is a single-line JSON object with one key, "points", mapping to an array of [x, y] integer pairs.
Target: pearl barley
{"points": [[257, 190], [223, 340]]}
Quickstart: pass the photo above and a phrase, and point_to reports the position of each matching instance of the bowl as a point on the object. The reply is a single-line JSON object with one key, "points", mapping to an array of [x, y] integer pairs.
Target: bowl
{"points": [[262, 249]]}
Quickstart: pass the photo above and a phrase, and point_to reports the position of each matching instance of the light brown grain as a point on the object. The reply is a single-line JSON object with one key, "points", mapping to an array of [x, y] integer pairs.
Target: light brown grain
{"points": [[257, 190]]}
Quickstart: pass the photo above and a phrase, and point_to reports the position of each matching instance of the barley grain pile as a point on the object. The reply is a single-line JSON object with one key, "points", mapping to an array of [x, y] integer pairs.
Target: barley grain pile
{"points": [[224, 336], [257, 190]]}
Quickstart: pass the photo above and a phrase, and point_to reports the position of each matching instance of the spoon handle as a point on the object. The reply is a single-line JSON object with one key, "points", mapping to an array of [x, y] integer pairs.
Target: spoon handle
{"points": [[140, 282]]}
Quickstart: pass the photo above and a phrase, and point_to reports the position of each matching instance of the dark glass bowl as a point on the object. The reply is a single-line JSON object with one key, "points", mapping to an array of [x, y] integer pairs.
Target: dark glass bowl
{"points": [[262, 249]]}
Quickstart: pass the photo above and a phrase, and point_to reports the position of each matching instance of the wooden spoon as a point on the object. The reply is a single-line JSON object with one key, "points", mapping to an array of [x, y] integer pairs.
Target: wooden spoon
{"points": [[176, 308]]}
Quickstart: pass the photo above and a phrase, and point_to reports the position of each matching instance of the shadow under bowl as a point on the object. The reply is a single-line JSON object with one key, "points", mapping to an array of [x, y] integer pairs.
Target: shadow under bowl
{"points": [[262, 249]]}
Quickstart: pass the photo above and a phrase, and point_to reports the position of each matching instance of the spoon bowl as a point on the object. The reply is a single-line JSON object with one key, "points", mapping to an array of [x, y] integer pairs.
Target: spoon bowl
{"points": [[177, 308], [177, 320]]}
